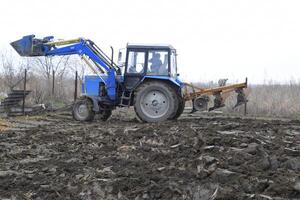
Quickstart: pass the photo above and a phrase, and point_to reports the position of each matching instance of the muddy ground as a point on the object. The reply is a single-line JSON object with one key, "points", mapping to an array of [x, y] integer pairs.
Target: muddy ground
{"points": [[199, 156]]}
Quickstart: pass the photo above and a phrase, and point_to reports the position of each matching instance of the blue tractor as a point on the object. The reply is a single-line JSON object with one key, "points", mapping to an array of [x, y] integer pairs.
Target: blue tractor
{"points": [[149, 81]]}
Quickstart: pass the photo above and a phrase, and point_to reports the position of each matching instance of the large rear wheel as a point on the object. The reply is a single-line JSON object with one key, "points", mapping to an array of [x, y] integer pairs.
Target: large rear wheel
{"points": [[155, 101], [83, 110], [180, 109]]}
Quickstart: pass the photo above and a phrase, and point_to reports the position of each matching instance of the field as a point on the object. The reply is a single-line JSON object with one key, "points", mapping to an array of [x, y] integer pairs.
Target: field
{"points": [[200, 156]]}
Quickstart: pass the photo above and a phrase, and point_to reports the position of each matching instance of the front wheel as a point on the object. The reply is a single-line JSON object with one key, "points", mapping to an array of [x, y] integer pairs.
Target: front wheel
{"points": [[83, 110], [155, 101]]}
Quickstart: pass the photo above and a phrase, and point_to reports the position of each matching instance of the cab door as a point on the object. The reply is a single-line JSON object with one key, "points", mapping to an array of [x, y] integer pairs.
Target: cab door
{"points": [[135, 68]]}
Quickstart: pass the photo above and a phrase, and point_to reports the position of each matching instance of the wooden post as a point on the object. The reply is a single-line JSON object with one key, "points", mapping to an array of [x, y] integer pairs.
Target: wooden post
{"points": [[76, 84], [245, 108], [24, 91], [53, 81], [53, 89]]}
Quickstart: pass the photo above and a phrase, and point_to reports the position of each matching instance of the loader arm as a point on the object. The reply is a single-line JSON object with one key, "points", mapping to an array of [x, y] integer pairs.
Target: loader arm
{"points": [[29, 46]]}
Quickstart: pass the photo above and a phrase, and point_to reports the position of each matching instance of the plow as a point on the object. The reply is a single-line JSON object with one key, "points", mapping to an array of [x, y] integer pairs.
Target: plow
{"points": [[145, 77], [200, 97]]}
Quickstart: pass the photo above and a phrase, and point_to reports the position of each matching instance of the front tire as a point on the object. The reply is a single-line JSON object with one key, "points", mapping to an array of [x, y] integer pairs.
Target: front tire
{"points": [[155, 101], [83, 110]]}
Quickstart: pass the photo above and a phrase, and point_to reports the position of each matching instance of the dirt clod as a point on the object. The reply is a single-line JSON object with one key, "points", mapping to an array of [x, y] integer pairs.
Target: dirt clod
{"points": [[196, 157]]}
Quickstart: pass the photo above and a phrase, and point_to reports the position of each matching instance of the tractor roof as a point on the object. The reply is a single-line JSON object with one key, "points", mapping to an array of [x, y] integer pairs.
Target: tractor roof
{"points": [[149, 46]]}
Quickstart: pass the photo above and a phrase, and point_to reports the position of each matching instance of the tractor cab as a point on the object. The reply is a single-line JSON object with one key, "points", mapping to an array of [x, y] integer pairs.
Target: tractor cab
{"points": [[148, 61]]}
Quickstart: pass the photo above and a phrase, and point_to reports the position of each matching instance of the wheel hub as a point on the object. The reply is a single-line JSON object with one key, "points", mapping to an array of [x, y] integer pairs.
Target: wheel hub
{"points": [[83, 110], [155, 104]]}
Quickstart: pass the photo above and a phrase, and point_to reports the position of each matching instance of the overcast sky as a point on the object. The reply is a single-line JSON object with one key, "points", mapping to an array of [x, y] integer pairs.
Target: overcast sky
{"points": [[214, 38]]}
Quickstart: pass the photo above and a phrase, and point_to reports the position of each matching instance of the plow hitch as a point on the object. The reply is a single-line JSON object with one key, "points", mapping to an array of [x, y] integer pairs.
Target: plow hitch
{"points": [[200, 97]]}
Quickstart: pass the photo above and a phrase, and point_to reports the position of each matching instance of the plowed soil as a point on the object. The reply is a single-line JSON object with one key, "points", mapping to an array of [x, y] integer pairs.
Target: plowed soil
{"points": [[197, 157]]}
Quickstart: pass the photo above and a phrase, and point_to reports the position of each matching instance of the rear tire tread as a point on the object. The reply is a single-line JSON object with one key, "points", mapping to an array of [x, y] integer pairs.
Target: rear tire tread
{"points": [[180, 109]]}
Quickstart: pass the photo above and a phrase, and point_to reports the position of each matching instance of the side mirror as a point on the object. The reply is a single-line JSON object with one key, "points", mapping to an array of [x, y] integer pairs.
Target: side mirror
{"points": [[178, 74], [121, 57]]}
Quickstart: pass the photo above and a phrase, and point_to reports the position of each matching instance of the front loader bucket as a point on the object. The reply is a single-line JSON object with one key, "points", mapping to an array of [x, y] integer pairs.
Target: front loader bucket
{"points": [[29, 46]]}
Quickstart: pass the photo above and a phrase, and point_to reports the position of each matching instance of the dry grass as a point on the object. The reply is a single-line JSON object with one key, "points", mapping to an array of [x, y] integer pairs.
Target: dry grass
{"points": [[272, 99], [3, 125]]}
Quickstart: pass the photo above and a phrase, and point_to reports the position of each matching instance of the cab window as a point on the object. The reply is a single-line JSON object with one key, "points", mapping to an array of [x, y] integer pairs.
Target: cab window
{"points": [[158, 63], [136, 62]]}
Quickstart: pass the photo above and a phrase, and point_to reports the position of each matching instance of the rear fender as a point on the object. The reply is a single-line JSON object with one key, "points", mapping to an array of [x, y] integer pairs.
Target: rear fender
{"points": [[176, 84]]}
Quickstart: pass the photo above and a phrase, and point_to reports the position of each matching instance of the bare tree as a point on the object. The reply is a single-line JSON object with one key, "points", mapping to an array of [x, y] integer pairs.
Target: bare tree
{"points": [[77, 64], [40, 75], [12, 72], [46, 65]]}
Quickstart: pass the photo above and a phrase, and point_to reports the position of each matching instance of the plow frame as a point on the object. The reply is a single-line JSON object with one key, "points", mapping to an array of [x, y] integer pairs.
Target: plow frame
{"points": [[198, 91], [220, 93]]}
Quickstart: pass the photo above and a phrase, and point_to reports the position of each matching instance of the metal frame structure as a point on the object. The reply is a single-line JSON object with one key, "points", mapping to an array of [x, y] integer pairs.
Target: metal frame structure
{"points": [[197, 91]]}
